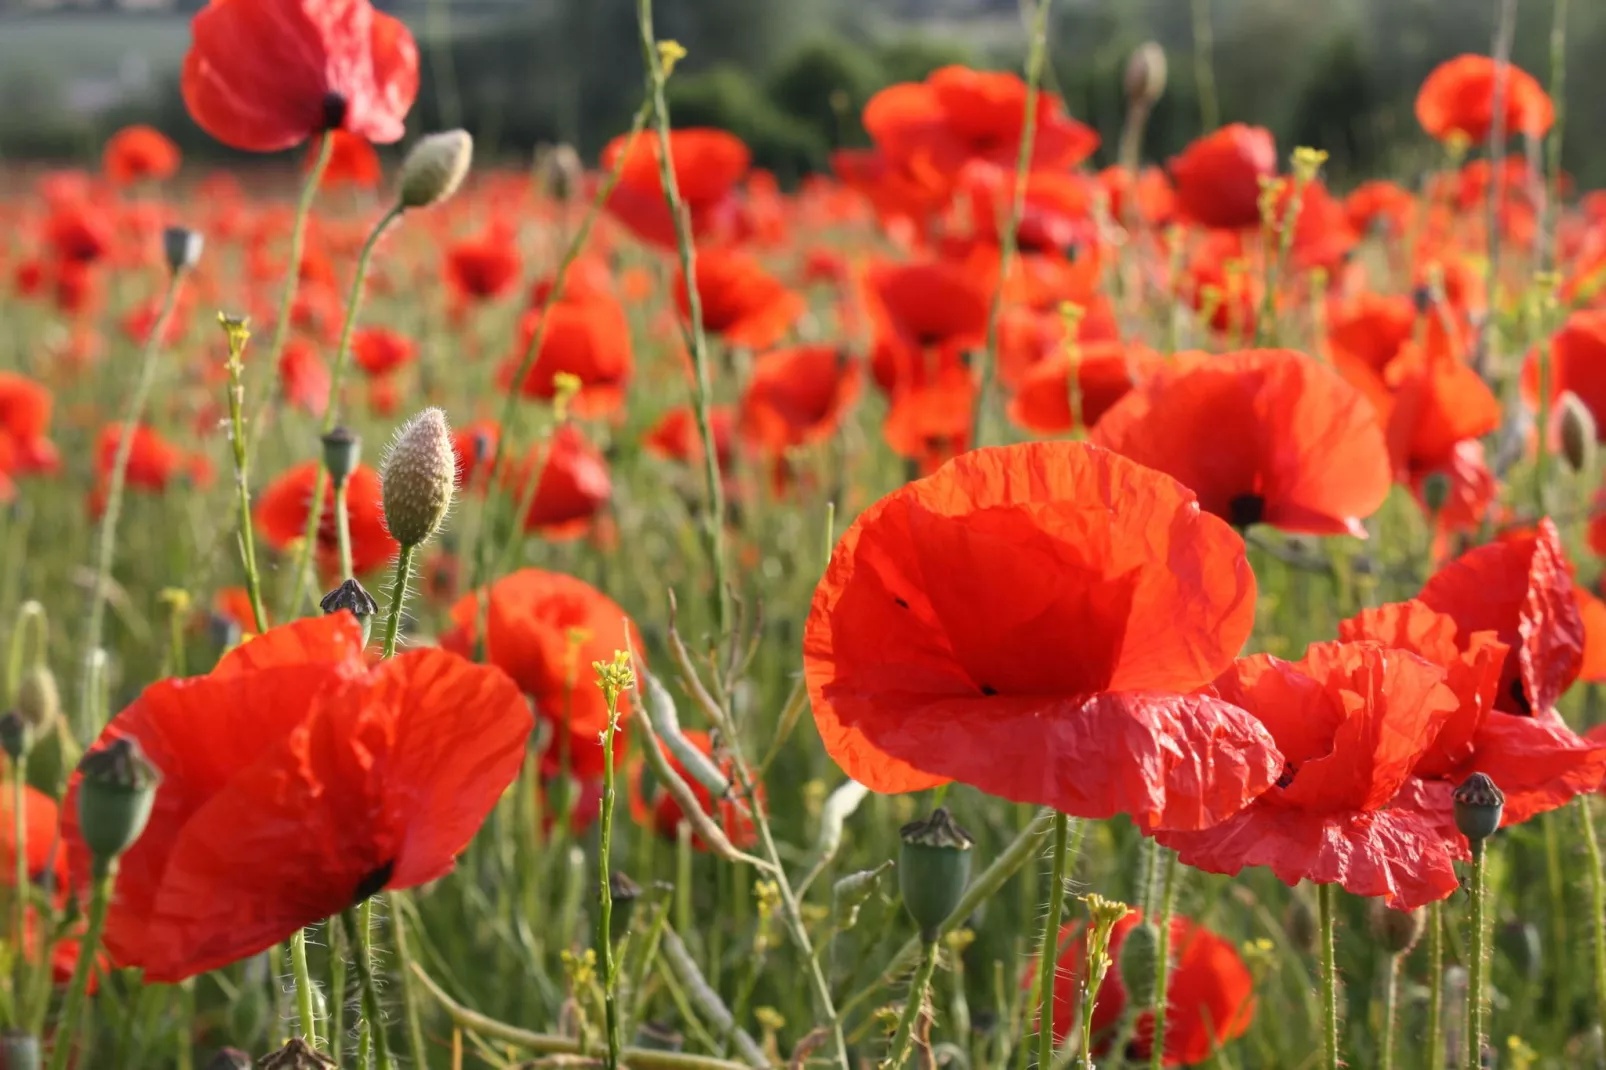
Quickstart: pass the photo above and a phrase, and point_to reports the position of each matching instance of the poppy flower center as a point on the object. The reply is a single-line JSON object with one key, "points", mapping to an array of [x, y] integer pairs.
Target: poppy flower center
{"points": [[334, 110], [373, 882], [1246, 509], [1520, 697]]}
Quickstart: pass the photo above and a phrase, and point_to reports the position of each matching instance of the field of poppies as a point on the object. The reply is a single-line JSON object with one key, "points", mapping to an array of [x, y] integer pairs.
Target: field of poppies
{"points": [[1022, 605]]}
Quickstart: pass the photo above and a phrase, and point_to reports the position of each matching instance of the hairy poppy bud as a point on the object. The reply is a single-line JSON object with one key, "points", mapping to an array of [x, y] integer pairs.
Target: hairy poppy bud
{"points": [[229, 1059], [1140, 954], [1145, 75], [38, 699], [656, 1036], [1577, 433], [115, 794], [418, 477], [435, 167], [341, 451], [624, 892], [1395, 931], [182, 248], [933, 869], [352, 597], [16, 739], [19, 1051], [1478, 806], [296, 1055], [1435, 491]]}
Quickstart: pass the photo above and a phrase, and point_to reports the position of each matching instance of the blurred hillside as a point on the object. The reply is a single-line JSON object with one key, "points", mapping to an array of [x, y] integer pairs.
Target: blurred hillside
{"points": [[791, 75]]}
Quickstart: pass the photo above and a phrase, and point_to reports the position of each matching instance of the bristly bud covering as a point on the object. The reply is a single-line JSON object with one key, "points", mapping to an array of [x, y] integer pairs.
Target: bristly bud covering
{"points": [[1396, 931], [296, 1055], [1145, 75], [933, 869], [1140, 952], [342, 449], [1479, 804], [435, 167], [353, 598], [115, 794], [182, 248], [418, 477], [1577, 433]]}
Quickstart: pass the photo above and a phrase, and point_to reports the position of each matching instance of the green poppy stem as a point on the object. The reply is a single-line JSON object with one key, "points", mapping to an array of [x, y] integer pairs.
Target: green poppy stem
{"points": [[72, 1013], [1047, 964], [903, 1039], [1479, 952], [1327, 895], [1597, 902], [1167, 879], [373, 1022], [303, 979], [398, 597], [1435, 985], [1391, 995]]}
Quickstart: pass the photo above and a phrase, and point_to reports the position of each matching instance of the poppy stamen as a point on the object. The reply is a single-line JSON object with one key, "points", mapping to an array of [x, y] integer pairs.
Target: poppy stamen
{"points": [[1245, 510], [334, 110], [373, 882], [989, 690]]}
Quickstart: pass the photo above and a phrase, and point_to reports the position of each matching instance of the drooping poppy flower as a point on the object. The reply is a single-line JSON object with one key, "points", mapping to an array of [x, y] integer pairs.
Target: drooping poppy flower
{"points": [[544, 630], [283, 506], [708, 164], [138, 154], [1457, 98], [926, 316], [1352, 720], [266, 75], [352, 162], [1266, 435], [483, 268], [1104, 372], [1210, 997], [574, 484], [676, 437], [1032, 620], [1577, 362], [293, 756], [653, 807], [588, 339], [1217, 177], [380, 351], [741, 302], [797, 396]]}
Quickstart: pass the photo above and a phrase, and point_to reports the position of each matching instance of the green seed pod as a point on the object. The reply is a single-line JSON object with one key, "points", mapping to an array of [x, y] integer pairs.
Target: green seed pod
{"points": [[296, 1055], [418, 477], [229, 1059], [852, 892], [341, 452], [182, 247], [19, 1051], [1520, 944], [1478, 806], [656, 1036], [1577, 433], [1435, 491], [1139, 956], [115, 794], [933, 869], [1395, 931], [435, 167], [352, 597], [38, 698], [16, 739]]}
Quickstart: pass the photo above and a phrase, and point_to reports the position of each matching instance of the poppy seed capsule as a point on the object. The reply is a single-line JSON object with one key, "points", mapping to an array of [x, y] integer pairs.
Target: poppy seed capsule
{"points": [[1435, 491], [417, 478], [354, 598], [342, 450], [182, 248], [1577, 433], [116, 790], [1478, 806], [1396, 931], [933, 869], [1145, 75], [435, 167], [1140, 952], [38, 699]]}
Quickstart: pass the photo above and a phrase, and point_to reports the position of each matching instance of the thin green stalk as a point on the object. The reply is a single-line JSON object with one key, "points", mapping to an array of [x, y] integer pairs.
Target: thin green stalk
{"points": [[298, 244], [337, 991], [1391, 993], [1327, 895], [331, 416], [20, 889], [1037, 50], [238, 335], [116, 482], [356, 935], [1478, 955], [1167, 879], [398, 596], [72, 1013], [1048, 955], [903, 1039], [343, 527], [714, 523], [400, 917], [604, 931], [1542, 457], [1597, 902], [1435, 985], [303, 979]]}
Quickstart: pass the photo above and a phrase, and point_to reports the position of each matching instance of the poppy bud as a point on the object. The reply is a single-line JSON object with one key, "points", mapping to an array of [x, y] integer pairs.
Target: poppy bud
{"points": [[296, 1055], [115, 795], [1478, 806], [1395, 931], [1145, 75], [229, 1059], [559, 171], [182, 248], [1435, 491], [417, 478], [19, 1051], [656, 1036], [1577, 433], [933, 869], [435, 167], [341, 451], [352, 597], [624, 892], [16, 739], [1140, 953], [1300, 924], [38, 700]]}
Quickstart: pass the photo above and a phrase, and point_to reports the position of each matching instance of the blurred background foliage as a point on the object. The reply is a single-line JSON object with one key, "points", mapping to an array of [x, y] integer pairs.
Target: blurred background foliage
{"points": [[790, 76]]}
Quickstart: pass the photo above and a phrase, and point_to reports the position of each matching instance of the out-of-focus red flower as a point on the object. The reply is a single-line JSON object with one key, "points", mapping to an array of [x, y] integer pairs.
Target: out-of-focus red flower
{"points": [[1217, 177], [483, 268], [283, 506], [303, 377], [798, 396], [1034, 621], [475, 444], [25, 407], [1577, 361], [926, 316], [676, 437], [1371, 328], [1457, 98], [1379, 204], [352, 162], [587, 338], [1104, 372], [266, 75], [932, 423], [544, 630], [138, 154], [741, 302], [708, 164], [653, 807], [153, 462], [380, 351], [574, 484]]}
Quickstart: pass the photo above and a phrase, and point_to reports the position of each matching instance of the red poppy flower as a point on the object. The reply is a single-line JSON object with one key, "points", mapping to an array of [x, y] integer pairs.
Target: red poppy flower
{"points": [[380, 351], [282, 508], [926, 315], [293, 756], [233, 604], [1218, 176], [266, 75], [1210, 996], [138, 154], [545, 629], [483, 268], [932, 423], [1577, 360], [708, 164], [25, 423], [676, 437], [45, 858], [653, 807], [79, 233], [352, 162], [303, 377], [574, 484], [475, 444], [742, 303], [1352, 720], [1105, 372], [153, 462], [798, 396], [1379, 203], [898, 191], [1264, 435], [1372, 329], [589, 339], [1031, 620], [1457, 98]]}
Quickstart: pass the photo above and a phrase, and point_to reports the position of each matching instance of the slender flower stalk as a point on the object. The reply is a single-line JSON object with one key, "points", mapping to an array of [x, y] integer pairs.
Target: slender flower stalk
{"points": [[373, 1021], [614, 679], [1204, 68], [238, 335], [1435, 985], [1167, 893], [303, 982], [1327, 896], [72, 1012], [1048, 952], [21, 885], [903, 1039], [1597, 902], [398, 596], [1479, 804], [1391, 992], [400, 918], [1558, 99], [298, 245]]}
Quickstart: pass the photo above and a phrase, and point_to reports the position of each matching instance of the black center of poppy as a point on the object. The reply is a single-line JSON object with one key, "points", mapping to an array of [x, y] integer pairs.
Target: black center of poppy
{"points": [[374, 882], [1520, 697], [988, 689], [1246, 509], [1287, 776], [927, 339], [334, 110], [1422, 298]]}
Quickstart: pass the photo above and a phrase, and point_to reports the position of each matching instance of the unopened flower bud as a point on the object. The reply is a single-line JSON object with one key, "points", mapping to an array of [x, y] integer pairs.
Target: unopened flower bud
{"points": [[1478, 807], [1145, 75], [1577, 433], [1396, 931], [624, 892], [656, 1036], [353, 598], [418, 477], [296, 1055], [182, 248], [116, 790], [16, 739], [342, 449], [19, 1051], [229, 1059], [559, 171], [38, 699], [435, 167], [933, 869], [1139, 956], [1436, 492]]}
